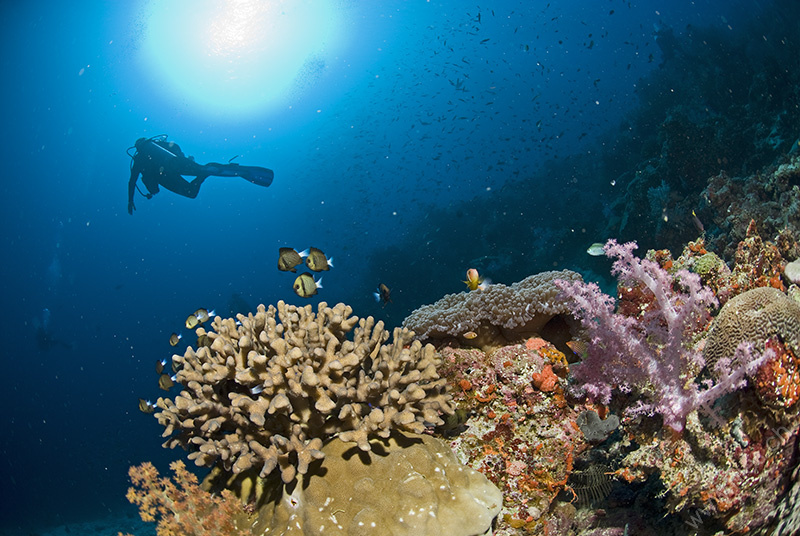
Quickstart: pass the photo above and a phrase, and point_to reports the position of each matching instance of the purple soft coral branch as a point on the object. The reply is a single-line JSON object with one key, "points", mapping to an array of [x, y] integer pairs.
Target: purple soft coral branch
{"points": [[650, 353]]}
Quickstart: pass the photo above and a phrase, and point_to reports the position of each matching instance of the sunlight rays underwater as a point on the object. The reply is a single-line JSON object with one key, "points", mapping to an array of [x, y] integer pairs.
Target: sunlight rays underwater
{"points": [[240, 57]]}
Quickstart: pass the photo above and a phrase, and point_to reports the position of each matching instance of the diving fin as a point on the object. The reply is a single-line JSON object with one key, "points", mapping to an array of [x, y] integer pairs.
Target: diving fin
{"points": [[255, 174]]}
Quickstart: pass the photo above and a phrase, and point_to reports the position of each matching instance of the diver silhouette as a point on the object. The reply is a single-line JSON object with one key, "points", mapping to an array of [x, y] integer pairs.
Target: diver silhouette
{"points": [[162, 163]]}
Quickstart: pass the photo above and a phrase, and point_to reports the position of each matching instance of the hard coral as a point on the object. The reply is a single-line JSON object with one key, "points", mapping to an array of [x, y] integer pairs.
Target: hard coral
{"points": [[266, 392], [521, 438], [407, 484], [777, 382], [499, 314], [753, 317]]}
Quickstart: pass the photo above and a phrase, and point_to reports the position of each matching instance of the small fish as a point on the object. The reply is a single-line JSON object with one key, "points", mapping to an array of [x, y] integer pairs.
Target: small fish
{"points": [[203, 315], [305, 286], [255, 390], [383, 295], [470, 335], [145, 406], [456, 422], [288, 258], [165, 381], [596, 249], [317, 261], [174, 339], [192, 322], [697, 223], [580, 348], [203, 340], [160, 366], [474, 280]]}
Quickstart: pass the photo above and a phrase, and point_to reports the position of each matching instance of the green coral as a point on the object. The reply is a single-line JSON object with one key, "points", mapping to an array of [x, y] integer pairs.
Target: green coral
{"points": [[707, 265]]}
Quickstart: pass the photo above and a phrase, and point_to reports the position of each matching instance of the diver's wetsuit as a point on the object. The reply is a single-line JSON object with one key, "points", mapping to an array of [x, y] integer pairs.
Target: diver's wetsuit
{"points": [[161, 162]]}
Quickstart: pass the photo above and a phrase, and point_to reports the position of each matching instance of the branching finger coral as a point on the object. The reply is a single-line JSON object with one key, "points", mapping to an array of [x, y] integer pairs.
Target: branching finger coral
{"points": [[268, 388]]}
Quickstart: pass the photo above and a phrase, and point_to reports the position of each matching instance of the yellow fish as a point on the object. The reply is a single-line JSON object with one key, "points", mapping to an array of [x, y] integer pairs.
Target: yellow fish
{"points": [[288, 258], [474, 280], [145, 406], [174, 338], [305, 286], [384, 295], [165, 382], [192, 322], [317, 261], [203, 315]]}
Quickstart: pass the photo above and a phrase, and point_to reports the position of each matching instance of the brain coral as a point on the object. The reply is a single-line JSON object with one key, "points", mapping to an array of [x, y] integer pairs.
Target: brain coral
{"points": [[265, 392], [753, 316], [517, 311]]}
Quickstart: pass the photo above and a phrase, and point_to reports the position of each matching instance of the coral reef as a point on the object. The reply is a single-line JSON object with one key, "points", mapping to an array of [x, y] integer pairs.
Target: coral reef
{"points": [[651, 350], [496, 315], [753, 316], [266, 392], [727, 467], [522, 437], [787, 515], [406, 484], [769, 198], [792, 271]]}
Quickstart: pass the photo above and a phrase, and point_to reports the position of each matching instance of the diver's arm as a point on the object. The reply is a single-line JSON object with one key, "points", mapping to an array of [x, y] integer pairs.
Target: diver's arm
{"points": [[132, 187]]}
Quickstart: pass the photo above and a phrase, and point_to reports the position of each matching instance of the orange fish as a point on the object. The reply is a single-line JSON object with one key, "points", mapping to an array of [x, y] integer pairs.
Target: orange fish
{"points": [[474, 280]]}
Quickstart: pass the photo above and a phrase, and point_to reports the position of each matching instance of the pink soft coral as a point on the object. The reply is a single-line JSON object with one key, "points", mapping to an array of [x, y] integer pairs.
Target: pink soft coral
{"points": [[652, 352]]}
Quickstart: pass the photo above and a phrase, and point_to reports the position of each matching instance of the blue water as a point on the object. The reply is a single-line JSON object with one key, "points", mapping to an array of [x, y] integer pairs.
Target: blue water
{"points": [[431, 139]]}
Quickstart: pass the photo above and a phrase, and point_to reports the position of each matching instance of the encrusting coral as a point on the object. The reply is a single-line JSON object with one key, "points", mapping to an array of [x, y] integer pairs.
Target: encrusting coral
{"points": [[266, 391], [407, 484]]}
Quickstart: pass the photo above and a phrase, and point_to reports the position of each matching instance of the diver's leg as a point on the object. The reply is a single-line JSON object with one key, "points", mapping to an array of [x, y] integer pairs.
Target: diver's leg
{"points": [[194, 186], [177, 184]]}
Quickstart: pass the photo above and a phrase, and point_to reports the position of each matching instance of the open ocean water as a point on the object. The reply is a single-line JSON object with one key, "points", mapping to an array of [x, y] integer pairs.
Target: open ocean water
{"points": [[410, 140]]}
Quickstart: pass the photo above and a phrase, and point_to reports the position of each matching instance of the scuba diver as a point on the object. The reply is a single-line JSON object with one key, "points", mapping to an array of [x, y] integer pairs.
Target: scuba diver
{"points": [[162, 163]]}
